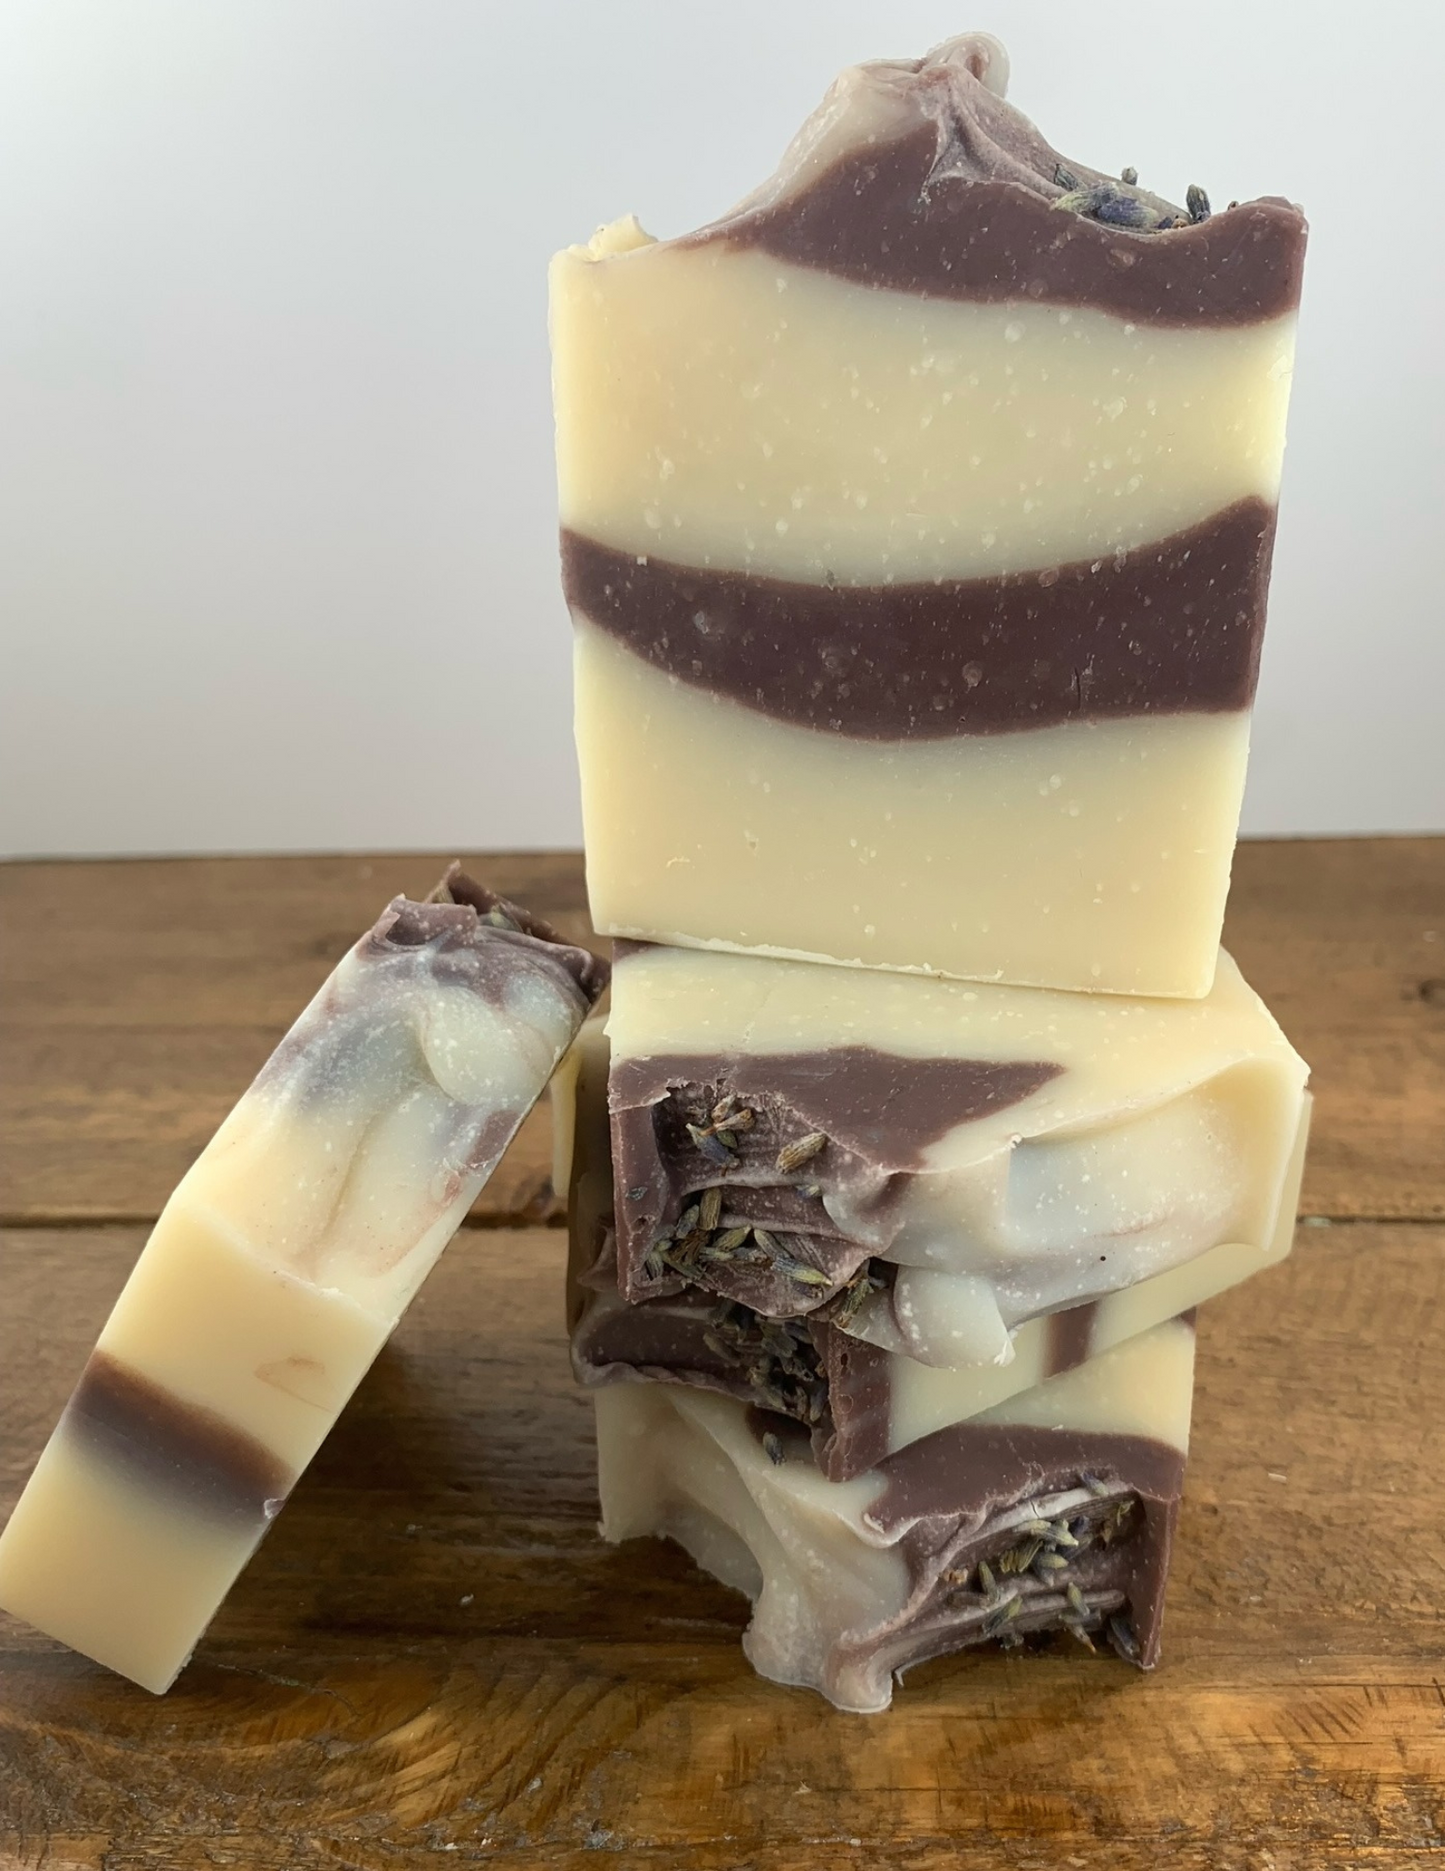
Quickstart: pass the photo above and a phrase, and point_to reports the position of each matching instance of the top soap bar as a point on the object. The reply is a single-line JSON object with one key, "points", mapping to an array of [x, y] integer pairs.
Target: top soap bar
{"points": [[917, 519]]}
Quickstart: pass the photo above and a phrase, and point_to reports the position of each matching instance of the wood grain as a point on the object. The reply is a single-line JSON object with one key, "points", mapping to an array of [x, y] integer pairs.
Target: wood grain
{"points": [[1345, 939], [433, 1654], [138, 999]]}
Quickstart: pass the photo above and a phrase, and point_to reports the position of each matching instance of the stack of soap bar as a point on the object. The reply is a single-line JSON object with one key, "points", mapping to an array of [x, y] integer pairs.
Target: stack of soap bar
{"points": [[916, 528], [917, 520], [279, 1268], [993, 1453], [1052, 1510]]}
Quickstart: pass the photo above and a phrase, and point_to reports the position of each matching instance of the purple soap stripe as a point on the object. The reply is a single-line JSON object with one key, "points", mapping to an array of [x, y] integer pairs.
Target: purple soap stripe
{"points": [[190, 1456], [974, 1468], [1173, 627], [1069, 1334], [896, 217], [884, 1103]]}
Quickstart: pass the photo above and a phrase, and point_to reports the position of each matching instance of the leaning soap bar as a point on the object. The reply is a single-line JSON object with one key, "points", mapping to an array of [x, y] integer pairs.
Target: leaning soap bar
{"points": [[1054, 1511], [931, 1164], [279, 1267], [916, 526]]}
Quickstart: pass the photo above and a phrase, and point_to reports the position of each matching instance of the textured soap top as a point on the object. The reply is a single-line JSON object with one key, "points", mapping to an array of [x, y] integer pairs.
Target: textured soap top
{"points": [[511, 984], [393, 1095], [920, 176]]}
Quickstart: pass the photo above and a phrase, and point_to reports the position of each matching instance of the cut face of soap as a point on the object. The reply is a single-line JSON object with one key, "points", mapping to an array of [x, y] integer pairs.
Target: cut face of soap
{"points": [[858, 1391], [931, 1165], [1054, 1511], [917, 520], [279, 1267], [859, 1402]]}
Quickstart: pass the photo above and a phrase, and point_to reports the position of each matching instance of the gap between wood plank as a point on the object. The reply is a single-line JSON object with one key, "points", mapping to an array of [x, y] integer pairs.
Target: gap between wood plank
{"points": [[486, 1223], [124, 1218]]}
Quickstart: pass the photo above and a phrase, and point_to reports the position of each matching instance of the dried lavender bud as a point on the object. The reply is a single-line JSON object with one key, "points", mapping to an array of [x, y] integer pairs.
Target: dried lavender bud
{"points": [[1120, 204], [1120, 210], [712, 1146], [793, 1155], [800, 1271]]}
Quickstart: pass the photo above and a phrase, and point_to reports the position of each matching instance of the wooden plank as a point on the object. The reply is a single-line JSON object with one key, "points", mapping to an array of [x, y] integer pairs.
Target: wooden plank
{"points": [[1345, 939], [433, 1650], [296, 1851], [139, 999]]}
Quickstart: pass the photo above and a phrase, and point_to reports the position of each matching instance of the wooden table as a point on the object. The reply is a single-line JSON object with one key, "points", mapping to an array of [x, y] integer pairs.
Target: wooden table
{"points": [[435, 1660]]}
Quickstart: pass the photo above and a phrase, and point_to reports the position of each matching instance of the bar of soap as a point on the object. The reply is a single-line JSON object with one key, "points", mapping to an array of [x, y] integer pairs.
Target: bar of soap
{"points": [[279, 1267], [928, 1164], [1054, 1511], [860, 1399], [916, 527]]}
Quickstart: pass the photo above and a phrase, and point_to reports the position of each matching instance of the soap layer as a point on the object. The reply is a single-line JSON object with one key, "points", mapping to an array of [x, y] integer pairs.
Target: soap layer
{"points": [[853, 1582], [860, 1402], [737, 416], [932, 1165]]}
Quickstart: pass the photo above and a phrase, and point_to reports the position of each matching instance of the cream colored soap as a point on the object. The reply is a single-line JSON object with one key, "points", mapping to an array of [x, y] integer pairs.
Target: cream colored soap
{"points": [[1093, 856], [704, 393], [929, 365], [279, 1268]]}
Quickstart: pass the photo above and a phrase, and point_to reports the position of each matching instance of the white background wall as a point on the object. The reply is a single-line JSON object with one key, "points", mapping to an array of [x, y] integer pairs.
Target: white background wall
{"points": [[276, 511]]}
